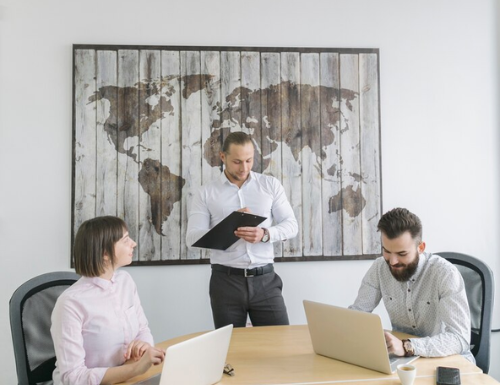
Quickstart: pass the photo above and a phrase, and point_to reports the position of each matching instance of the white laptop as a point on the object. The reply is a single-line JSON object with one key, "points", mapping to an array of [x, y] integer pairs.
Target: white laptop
{"points": [[197, 361], [351, 336]]}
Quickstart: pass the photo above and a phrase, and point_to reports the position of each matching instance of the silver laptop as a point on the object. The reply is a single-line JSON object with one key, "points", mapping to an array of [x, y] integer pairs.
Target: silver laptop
{"points": [[197, 361], [351, 336]]}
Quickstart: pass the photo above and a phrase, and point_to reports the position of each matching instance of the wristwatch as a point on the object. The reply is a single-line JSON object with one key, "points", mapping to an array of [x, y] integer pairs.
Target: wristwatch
{"points": [[265, 237], [408, 347]]}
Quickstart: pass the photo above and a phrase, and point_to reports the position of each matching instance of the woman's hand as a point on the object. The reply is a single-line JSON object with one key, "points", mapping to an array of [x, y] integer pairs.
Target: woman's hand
{"points": [[136, 350], [151, 356], [134, 367]]}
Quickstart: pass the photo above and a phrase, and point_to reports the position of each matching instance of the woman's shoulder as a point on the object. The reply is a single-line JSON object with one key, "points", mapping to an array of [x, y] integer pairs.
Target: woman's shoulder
{"points": [[71, 297], [123, 275]]}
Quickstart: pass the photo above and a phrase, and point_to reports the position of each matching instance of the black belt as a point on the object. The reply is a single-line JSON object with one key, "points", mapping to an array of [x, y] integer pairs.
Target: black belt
{"points": [[269, 268]]}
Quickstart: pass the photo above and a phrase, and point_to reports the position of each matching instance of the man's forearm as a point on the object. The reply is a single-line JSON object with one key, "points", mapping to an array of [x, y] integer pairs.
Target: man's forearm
{"points": [[441, 345]]}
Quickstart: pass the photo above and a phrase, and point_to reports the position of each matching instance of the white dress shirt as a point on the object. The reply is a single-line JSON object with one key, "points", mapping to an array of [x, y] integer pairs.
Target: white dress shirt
{"points": [[263, 195], [93, 322], [432, 305]]}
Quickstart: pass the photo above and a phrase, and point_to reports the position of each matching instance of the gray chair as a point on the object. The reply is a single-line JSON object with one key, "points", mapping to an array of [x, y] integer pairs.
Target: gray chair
{"points": [[479, 286], [30, 309]]}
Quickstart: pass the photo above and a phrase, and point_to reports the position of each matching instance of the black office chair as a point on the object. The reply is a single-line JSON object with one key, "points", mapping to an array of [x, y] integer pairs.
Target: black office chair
{"points": [[30, 310], [479, 286]]}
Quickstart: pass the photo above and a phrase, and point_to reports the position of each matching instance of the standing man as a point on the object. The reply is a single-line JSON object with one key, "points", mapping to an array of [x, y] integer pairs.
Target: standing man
{"points": [[423, 293], [243, 280]]}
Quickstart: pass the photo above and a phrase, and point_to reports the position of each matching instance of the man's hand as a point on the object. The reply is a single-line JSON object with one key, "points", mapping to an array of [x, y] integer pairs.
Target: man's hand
{"points": [[394, 344], [249, 234]]}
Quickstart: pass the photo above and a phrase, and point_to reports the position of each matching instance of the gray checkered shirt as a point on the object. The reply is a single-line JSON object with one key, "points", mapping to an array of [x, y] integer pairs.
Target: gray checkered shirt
{"points": [[431, 305]]}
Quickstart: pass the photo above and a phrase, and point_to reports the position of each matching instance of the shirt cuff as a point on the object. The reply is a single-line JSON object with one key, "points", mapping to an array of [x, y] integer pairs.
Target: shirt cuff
{"points": [[272, 234], [418, 347], [92, 376], [97, 375]]}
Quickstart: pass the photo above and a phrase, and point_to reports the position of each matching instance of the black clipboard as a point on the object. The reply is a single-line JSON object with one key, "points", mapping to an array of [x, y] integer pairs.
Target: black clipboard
{"points": [[221, 236]]}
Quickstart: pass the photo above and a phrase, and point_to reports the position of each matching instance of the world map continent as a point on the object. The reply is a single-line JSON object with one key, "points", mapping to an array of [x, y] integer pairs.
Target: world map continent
{"points": [[132, 113]]}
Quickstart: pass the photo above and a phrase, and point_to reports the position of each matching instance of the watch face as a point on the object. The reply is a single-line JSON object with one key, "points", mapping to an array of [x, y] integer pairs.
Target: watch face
{"points": [[408, 347]]}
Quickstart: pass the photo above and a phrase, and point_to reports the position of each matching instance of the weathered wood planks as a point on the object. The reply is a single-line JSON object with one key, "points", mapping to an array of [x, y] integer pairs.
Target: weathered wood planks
{"points": [[331, 165], [149, 124], [84, 147], [191, 139], [291, 139], [127, 141], [106, 154], [171, 154]]}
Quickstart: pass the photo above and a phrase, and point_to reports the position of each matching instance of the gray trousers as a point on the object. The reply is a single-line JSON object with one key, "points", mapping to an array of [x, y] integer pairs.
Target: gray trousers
{"points": [[234, 296]]}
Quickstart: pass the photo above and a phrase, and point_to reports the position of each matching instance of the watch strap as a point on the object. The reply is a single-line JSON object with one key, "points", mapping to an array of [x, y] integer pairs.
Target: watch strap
{"points": [[408, 348], [266, 236]]}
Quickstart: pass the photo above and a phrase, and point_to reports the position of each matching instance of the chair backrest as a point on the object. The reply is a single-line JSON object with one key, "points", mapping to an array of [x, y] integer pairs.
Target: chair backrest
{"points": [[30, 310], [479, 286]]}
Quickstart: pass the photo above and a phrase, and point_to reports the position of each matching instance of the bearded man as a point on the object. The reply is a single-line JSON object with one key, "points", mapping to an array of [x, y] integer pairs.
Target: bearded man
{"points": [[423, 293]]}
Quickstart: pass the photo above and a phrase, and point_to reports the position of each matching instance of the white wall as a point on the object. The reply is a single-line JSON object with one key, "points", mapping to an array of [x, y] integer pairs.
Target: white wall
{"points": [[439, 93]]}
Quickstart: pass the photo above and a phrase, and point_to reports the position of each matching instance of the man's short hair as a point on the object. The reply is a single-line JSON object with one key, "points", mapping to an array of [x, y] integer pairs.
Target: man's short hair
{"points": [[398, 221], [240, 138], [95, 238]]}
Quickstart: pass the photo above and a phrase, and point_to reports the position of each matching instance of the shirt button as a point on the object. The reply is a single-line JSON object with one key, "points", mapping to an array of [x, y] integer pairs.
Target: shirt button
{"points": [[390, 298], [409, 309], [428, 303], [413, 326], [409, 290]]}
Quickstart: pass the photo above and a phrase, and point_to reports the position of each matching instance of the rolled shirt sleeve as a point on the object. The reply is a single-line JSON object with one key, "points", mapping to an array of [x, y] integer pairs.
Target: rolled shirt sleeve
{"points": [[286, 226], [199, 218], [369, 294], [68, 340]]}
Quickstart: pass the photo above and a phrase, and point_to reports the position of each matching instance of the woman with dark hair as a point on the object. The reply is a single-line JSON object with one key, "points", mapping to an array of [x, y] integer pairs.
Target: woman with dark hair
{"points": [[100, 332]]}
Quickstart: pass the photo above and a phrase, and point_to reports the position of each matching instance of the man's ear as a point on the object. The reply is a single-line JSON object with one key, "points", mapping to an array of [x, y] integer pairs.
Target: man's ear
{"points": [[222, 157], [421, 247]]}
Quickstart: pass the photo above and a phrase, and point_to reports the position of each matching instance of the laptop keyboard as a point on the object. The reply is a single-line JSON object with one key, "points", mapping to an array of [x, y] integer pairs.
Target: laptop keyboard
{"points": [[393, 358]]}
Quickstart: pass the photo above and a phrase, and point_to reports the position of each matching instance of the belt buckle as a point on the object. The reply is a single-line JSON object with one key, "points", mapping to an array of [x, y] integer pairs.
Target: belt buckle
{"points": [[248, 275]]}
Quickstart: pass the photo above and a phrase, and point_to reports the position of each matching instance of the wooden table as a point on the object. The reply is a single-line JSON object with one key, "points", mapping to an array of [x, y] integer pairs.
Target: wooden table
{"points": [[468, 379], [284, 355]]}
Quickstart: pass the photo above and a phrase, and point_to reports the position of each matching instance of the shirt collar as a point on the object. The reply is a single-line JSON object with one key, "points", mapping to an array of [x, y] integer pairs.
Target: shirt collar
{"points": [[101, 282], [223, 179]]}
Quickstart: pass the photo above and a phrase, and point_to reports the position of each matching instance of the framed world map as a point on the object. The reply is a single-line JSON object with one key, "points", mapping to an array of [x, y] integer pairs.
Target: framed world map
{"points": [[149, 122]]}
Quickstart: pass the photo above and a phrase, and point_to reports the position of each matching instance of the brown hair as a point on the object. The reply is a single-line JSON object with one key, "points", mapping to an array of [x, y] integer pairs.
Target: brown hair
{"points": [[95, 238], [398, 221], [239, 138]]}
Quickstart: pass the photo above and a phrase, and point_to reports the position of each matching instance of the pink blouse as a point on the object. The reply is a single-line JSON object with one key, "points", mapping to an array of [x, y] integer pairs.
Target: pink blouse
{"points": [[93, 323]]}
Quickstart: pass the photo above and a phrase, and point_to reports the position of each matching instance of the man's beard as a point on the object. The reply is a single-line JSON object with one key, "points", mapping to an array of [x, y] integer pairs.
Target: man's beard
{"points": [[235, 176], [404, 274]]}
